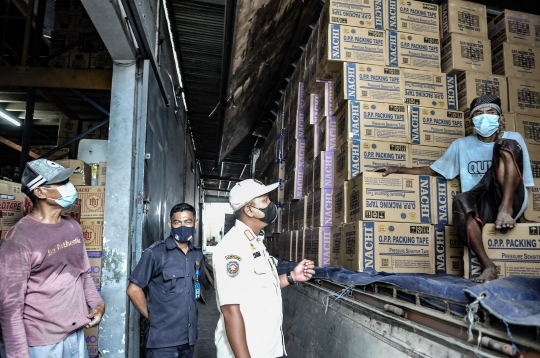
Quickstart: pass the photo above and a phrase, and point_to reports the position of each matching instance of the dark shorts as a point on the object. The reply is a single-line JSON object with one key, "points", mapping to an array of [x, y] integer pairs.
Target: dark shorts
{"points": [[484, 199], [183, 351]]}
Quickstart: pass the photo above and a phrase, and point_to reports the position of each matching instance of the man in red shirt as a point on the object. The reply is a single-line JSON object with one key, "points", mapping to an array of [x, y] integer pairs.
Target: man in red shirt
{"points": [[47, 294]]}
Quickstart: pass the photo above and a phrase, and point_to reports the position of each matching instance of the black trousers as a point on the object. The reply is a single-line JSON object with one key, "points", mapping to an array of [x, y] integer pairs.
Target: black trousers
{"points": [[183, 351], [484, 199]]}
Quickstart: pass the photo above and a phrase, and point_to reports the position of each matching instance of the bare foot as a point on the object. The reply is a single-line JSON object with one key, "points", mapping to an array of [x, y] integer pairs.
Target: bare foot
{"points": [[489, 274], [504, 220]]}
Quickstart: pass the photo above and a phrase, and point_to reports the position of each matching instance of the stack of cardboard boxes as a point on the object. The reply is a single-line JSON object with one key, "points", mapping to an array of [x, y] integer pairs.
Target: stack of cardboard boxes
{"points": [[390, 83], [89, 212], [72, 24], [14, 204]]}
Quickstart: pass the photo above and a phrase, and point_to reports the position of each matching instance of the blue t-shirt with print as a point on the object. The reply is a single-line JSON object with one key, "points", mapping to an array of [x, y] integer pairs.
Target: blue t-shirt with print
{"points": [[470, 158]]}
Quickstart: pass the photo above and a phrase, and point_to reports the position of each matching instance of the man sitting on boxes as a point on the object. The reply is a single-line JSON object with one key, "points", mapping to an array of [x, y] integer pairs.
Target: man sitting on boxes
{"points": [[494, 170], [45, 287]]}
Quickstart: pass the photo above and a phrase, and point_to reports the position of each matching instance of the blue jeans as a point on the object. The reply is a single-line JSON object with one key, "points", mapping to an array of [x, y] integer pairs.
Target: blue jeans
{"points": [[183, 351], [73, 346]]}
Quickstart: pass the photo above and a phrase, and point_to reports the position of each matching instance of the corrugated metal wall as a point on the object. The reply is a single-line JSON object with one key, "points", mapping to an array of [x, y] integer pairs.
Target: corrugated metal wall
{"points": [[171, 171]]}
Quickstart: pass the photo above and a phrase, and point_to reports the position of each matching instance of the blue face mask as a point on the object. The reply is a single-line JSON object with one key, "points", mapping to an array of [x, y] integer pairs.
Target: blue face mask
{"points": [[486, 124], [68, 195], [183, 233]]}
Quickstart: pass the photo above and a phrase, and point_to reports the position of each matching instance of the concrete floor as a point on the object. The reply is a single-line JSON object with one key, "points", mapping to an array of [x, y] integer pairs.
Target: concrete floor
{"points": [[208, 317]]}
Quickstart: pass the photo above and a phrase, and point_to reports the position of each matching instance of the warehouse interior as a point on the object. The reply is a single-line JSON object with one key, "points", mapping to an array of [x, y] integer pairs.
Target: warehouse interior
{"points": [[202, 81]]}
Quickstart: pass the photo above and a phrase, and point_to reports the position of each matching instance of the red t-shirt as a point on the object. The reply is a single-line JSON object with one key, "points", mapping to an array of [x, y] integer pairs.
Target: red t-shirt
{"points": [[45, 284]]}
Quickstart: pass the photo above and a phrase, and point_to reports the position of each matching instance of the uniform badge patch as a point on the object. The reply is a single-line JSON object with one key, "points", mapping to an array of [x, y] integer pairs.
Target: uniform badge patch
{"points": [[256, 254], [233, 257], [233, 268], [249, 235]]}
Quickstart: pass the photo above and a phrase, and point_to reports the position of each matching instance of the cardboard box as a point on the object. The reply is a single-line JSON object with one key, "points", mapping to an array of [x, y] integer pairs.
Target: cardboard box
{"points": [[340, 203], [425, 155], [102, 174], [512, 26], [464, 17], [465, 53], [100, 61], [372, 121], [536, 23], [91, 336], [340, 43], [321, 246], [435, 127], [357, 156], [311, 137], [428, 89], [81, 176], [442, 196], [535, 167], [396, 198], [92, 201], [411, 16], [12, 201], [96, 134], [307, 243], [323, 171], [414, 51], [328, 103], [79, 60], [308, 178], [367, 13], [529, 128], [93, 234], [533, 209], [92, 351], [370, 246], [336, 236], [73, 211], [515, 60], [67, 128], [328, 134], [473, 84], [300, 249], [515, 252], [323, 204], [524, 96], [359, 82], [312, 115], [308, 211], [449, 253], [95, 259]]}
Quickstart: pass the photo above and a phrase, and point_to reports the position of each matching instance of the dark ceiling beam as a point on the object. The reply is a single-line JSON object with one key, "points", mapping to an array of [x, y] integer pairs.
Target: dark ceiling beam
{"points": [[49, 77], [217, 177], [228, 40]]}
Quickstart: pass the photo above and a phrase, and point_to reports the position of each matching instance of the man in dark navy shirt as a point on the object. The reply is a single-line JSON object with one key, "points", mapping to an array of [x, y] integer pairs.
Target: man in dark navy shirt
{"points": [[172, 273]]}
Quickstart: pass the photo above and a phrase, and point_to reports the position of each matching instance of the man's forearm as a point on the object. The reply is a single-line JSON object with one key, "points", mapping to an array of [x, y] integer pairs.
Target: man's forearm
{"points": [[137, 297], [14, 337], [416, 171], [236, 330]]}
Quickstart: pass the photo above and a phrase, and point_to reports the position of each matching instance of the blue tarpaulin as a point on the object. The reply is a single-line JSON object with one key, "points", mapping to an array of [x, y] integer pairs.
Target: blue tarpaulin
{"points": [[515, 300]]}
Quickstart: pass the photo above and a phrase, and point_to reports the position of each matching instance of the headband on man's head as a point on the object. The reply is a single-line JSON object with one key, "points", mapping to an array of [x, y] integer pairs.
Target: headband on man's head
{"points": [[488, 100]]}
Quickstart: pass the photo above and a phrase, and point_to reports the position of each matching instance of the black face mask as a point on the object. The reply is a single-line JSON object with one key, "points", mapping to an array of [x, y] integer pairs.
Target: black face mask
{"points": [[270, 213], [183, 233]]}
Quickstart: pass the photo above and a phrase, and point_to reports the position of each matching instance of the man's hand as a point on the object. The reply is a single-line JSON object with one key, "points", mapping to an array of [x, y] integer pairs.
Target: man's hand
{"points": [[387, 169], [96, 315], [303, 271]]}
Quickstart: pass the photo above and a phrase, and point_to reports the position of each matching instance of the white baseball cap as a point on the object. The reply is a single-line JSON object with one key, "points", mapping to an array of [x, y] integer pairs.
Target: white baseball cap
{"points": [[247, 190]]}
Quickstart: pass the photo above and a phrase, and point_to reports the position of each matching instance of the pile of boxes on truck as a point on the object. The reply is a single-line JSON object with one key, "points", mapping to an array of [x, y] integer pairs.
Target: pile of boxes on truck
{"points": [[389, 82], [88, 210]]}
